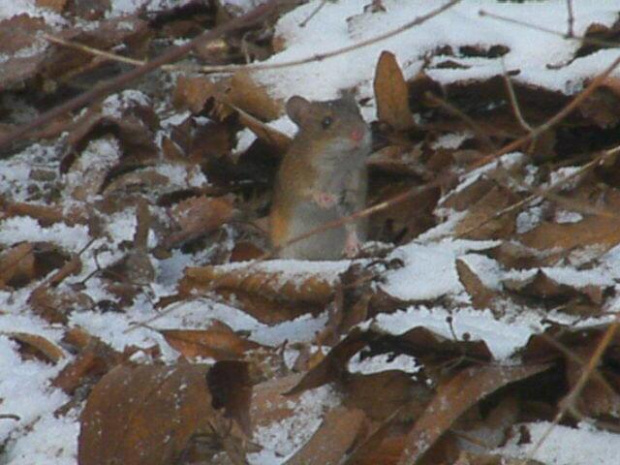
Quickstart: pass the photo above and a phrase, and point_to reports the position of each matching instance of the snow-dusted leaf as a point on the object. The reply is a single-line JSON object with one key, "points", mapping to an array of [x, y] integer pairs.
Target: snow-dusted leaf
{"points": [[270, 295], [218, 341]]}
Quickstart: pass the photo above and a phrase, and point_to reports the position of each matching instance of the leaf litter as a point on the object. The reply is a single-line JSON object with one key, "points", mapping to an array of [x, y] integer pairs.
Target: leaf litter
{"points": [[140, 321]]}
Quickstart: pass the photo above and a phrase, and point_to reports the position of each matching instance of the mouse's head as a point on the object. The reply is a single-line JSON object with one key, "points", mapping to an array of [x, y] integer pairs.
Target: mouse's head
{"points": [[334, 122]]}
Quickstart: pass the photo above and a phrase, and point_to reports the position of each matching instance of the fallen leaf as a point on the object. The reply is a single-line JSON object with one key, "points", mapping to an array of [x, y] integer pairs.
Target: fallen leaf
{"points": [[231, 390], [145, 415], [433, 350], [271, 136], [193, 93], [340, 429], [218, 341], [541, 285], [454, 397], [55, 5], [197, 216], [246, 93], [270, 296], [481, 296], [92, 362], [400, 392], [392, 94], [592, 230], [17, 265], [481, 223], [34, 345]]}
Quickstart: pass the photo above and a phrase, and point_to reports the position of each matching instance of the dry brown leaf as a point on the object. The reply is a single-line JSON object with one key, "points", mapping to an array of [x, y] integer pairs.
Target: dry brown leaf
{"points": [[17, 265], [480, 224], [399, 391], [575, 346], [46, 215], [271, 136], [403, 220], [94, 360], [193, 93], [592, 230], [512, 254], [62, 63], [197, 216], [27, 261], [541, 285], [334, 365], [55, 5], [270, 405], [264, 294], [132, 128], [145, 415], [462, 199], [245, 93], [218, 341], [481, 296], [454, 397], [383, 445], [601, 107], [55, 305], [599, 398], [340, 430], [392, 93], [231, 389], [34, 345], [428, 347], [244, 251], [350, 307], [17, 33]]}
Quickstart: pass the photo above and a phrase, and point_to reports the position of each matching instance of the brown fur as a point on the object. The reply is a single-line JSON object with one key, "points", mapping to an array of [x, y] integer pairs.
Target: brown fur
{"points": [[323, 158]]}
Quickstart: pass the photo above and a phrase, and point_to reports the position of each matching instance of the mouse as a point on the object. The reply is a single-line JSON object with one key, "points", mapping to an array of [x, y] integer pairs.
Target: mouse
{"points": [[322, 178]]}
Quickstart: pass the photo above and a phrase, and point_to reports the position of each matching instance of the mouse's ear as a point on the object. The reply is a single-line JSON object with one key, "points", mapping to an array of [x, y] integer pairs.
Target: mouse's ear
{"points": [[296, 107]]}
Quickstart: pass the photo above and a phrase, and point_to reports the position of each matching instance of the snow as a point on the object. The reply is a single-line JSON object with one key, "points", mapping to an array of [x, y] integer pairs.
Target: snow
{"points": [[530, 50], [503, 337], [569, 446], [430, 269], [429, 263], [282, 439], [19, 229]]}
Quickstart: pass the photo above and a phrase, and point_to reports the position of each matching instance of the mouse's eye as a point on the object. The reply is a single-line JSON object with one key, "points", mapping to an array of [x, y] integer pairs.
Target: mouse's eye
{"points": [[327, 122]]}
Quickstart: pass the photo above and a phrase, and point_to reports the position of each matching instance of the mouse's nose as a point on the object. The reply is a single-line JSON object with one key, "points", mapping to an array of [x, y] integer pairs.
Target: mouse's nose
{"points": [[357, 135]]}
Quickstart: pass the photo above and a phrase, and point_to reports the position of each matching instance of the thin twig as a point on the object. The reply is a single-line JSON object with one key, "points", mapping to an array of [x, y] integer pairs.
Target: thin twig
{"points": [[313, 14], [514, 103]]}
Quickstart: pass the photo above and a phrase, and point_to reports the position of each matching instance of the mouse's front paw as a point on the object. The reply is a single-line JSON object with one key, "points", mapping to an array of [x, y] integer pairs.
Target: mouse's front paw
{"points": [[352, 245], [324, 199]]}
